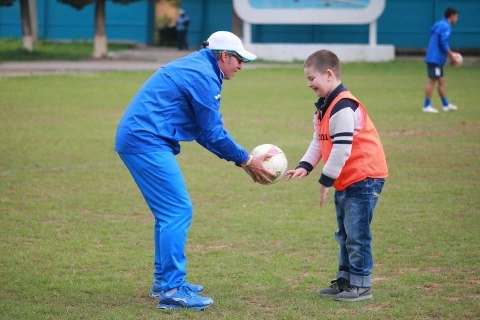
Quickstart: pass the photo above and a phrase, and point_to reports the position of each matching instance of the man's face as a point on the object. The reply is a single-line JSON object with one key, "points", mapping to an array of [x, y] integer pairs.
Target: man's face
{"points": [[229, 64]]}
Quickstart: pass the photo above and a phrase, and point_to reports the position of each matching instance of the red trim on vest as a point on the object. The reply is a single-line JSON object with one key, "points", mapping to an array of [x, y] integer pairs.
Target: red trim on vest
{"points": [[367, 159]]}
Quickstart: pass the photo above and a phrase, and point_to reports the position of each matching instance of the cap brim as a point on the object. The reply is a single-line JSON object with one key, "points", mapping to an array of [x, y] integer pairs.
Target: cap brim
{"points": [[247, 56]]}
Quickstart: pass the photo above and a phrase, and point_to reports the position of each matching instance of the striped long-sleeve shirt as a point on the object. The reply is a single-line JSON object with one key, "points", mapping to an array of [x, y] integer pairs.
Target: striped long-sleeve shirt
{"points": [[346, 120]]}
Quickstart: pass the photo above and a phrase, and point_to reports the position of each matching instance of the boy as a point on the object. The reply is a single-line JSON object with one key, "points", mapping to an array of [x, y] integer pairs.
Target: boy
{"points": [[349, 146], [437, 52]]}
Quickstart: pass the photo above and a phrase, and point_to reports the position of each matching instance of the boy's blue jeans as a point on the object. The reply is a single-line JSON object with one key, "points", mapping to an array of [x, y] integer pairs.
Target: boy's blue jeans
{"points": [[161, 182], [354, 207]]}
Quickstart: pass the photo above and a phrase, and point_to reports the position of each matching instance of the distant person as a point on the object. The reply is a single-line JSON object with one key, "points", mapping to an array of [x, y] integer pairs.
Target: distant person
{"points": [[347, 143], [437, 52], [182, 29], [180, 102]]}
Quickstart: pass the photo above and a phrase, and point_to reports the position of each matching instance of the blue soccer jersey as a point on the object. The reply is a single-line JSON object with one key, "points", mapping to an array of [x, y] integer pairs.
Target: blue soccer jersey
{"points": [[438, 44]]}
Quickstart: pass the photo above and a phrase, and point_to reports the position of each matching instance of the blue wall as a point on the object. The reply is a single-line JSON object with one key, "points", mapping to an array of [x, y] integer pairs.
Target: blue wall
{"points": [[404, 23], [206, 17], [58, 21], [310, 33]]}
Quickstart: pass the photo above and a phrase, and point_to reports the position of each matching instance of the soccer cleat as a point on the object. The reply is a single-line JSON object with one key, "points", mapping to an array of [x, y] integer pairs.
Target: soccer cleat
{"points": [[430, 109], [337, 286], [450, 107], [156, 289], [354, 293], [183, 298]]}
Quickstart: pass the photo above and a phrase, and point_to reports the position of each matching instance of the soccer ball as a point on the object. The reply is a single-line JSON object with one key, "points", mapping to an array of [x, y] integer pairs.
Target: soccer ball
{"points": [[458, 59], [277, 163]]}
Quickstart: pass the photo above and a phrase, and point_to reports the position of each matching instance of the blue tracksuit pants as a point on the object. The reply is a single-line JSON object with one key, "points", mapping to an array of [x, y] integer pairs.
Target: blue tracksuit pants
{"points": [[161, 183]]}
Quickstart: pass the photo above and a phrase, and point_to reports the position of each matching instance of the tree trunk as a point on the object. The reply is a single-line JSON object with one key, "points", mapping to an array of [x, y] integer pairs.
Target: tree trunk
{"points": [[32, 6], [100, 40], [26, 25]]}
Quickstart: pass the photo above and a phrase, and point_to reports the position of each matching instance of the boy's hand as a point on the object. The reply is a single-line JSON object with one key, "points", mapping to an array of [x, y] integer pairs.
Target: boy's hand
{"points": [[323, 194], [300, 173]]}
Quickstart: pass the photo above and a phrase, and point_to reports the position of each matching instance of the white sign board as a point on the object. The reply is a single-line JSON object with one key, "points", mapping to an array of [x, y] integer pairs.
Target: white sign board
{"points": [[309, 11]]}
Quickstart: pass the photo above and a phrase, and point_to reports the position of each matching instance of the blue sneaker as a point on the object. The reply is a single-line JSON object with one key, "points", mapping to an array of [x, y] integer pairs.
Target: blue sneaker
{"points": [[156, 289], [184, 298]]}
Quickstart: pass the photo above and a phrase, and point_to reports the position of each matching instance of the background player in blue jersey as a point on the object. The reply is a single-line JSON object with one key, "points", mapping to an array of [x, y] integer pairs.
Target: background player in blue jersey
{"points": [[437, 53], [181, 26], [180, 102]]}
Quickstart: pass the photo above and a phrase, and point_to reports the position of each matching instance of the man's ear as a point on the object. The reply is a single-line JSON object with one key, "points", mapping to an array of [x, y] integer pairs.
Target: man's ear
{"points": [[223, 56]]}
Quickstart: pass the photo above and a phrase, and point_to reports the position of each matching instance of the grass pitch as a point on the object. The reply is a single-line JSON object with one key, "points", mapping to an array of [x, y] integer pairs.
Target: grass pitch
{"points": [[12, 50], [76, 236]]}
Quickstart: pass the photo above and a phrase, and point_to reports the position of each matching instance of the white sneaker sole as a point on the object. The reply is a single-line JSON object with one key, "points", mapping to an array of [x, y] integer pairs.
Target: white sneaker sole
{"points": [[360, 298], [174, 307]]}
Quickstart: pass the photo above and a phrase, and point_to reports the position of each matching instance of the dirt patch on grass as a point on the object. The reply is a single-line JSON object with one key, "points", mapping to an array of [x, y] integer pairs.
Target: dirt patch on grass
{"points": [[431, 287], [380, 278], [373, 307], [260, 305]]}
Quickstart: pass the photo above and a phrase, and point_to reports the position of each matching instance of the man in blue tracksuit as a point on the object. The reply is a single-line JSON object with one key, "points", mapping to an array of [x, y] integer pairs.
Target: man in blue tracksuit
{"points": [[436, 56], [180, 102]]}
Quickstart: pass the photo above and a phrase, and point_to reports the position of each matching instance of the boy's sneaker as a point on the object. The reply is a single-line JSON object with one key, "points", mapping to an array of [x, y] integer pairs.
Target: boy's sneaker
{"points": [[337, 286], [430, 109], [156, 289], [183, 298], [450, 107], [354, 293]]}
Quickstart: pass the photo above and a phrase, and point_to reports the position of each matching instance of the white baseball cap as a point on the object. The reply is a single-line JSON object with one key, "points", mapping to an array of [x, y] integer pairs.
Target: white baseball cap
{"points": [[227, 41]]}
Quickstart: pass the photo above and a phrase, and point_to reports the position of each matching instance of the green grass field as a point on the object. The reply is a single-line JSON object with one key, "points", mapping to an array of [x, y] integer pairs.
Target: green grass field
{"points": [[12, 50], [76, 236]]}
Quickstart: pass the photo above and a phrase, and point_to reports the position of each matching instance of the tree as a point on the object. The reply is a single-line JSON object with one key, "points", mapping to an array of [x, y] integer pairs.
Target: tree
{"points": [[26, 19], [100, 44]]}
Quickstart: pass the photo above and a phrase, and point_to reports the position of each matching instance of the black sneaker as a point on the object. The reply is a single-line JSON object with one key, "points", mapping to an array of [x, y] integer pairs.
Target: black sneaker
{"points": [[337, 286], [354, 293]]}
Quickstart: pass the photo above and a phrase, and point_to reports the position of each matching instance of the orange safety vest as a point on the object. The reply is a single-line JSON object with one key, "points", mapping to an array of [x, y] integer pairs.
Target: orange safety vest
{"points": [[367, 159]]}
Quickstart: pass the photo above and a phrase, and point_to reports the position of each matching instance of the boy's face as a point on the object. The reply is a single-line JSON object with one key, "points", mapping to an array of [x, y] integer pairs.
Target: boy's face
{"points": [[454, 18], [322, 83]]}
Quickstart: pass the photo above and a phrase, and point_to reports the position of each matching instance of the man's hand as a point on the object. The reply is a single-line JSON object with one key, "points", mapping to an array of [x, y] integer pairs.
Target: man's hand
{"points": [[257, 171], [323, 194], [299, 172]]}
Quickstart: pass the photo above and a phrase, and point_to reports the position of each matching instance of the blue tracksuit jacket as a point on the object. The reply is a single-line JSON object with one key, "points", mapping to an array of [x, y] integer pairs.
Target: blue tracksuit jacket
{"points": [[180, 102], [438, 44]]}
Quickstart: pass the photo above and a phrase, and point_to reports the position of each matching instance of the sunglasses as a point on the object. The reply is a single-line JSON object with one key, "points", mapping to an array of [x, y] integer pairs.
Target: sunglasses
{"points": [[240, 60]]}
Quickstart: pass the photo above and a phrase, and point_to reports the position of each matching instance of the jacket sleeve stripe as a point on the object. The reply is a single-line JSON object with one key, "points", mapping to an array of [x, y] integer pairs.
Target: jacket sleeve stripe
{"points": [[342, 134], [342, 142]]}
